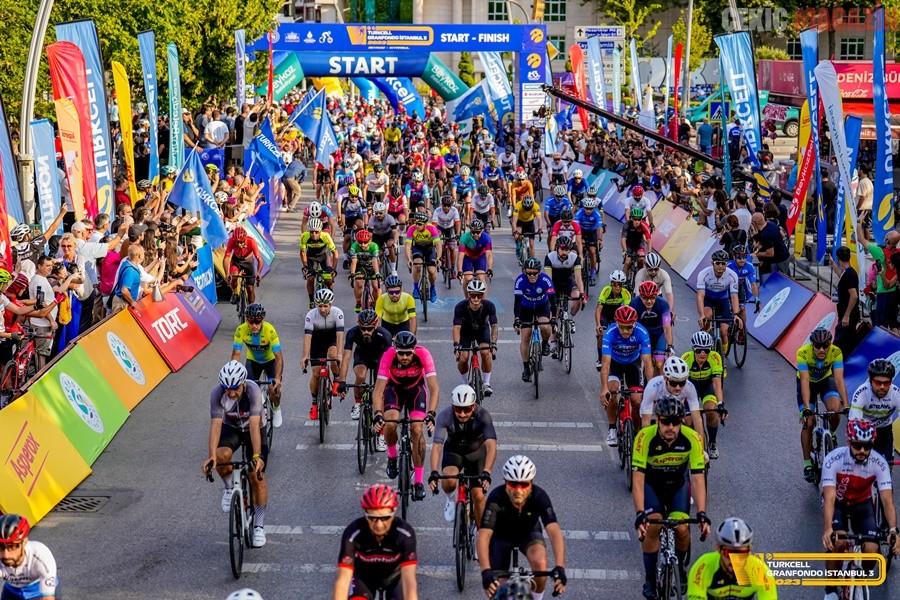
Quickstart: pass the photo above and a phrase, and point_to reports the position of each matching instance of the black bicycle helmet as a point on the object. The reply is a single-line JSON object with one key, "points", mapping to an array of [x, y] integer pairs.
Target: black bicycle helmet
{"points": [[476, 225], [820, 335], [447, 201], [405, 340], [719, 256], [256, 311], [669, 406], [566, 214], [533, 264], [739, 250], [483, 190], [882, 367], [393, 281], [366, 318]]}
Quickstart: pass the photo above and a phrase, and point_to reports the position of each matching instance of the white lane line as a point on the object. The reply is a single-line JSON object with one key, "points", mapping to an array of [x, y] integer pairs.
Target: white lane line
{"points": [[448, 341], [443, 329], [504, 447], [439, 571], [571, 534], [521, 424]]}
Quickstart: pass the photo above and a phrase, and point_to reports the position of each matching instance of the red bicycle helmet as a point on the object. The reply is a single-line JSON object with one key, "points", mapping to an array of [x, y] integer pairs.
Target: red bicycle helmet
{"points": [[239, 234], [637, 191], [626, 315], [13, 529], [859, 430], [378, 497], [649, 289], [363, 236]]}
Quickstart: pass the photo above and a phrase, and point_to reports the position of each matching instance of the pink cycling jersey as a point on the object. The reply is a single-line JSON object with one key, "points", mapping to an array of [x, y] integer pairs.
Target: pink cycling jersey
{"points": [[396, 205], [853, 480], [435, 163], [422, 366]]}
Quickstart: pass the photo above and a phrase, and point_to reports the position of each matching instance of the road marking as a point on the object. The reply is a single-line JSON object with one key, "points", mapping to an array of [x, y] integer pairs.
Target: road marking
{"points": [[438, 571], [520, 424], [504, 447], [449, 341], [571, 534]]}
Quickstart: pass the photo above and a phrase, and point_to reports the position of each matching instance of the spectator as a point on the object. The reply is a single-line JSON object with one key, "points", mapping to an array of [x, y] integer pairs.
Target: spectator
{"points": [[216, 133], [122, 191], [771, 249], [829, 199], [190, 132], [28, 248], [734, 235], [845, 336], [41, 291], [704, 136], [291, 180], [81, 295], [128, 289], [886, 279], [865, 191]]}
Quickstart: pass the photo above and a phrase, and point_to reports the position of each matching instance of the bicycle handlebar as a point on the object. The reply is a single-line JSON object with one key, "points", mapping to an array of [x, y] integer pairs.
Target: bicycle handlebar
{"points": [[235, 464], [861, 537], [318, 362], [673, 522]]}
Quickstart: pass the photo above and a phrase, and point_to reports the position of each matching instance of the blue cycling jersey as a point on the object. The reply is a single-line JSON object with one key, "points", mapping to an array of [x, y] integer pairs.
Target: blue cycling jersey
{"points": [[624, 350], [577, 188], [490, 172], [417, 194], [341, 174], [653, 318], [534, 294], [463, 185], [451, 159], [589, 222], [746, 276], [554, 206]]}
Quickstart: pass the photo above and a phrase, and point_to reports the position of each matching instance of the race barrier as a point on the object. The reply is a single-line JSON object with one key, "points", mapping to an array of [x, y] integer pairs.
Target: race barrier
{"points": [[819, 312], [782, 300]]}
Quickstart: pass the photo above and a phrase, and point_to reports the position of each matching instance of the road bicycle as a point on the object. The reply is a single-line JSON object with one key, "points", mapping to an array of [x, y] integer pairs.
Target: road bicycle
{"points": [[448, 268], [823, 442], [668, 572], [19, 370], [625, 432], [269, 410], [565, 336], [324, 392], [464, 528], [738, 340], [242, 514], [367, 298], [535, 354], [386, 265], [424, 285], [243, 302], [586, 280], [515, 573], [633, 269], [856, 567], [476, 377], [365, 435], [404, 461]]}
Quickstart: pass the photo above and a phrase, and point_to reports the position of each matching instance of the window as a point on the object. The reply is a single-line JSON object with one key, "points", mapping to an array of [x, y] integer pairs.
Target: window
{"points": [[853, 49], [794, 50], [555, 11], [497, 11], [560, 42]]}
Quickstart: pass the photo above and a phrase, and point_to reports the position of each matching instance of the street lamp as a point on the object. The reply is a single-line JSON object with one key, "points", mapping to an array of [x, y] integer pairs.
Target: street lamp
{"points": [[509, 13]]}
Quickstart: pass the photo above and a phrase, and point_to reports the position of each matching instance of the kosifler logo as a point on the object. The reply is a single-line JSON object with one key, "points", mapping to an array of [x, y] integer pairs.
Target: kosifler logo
{"points": [[772, 307], [125, 358], [79, 400]]}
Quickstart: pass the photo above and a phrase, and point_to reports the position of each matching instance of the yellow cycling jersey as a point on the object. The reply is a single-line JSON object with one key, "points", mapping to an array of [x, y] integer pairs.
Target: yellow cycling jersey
{"points": [[397, 312], [261, 347], [819, 369], [713, 367], [316, 247], [665, 464], [751, 579], [392, 134], [526, 216]]}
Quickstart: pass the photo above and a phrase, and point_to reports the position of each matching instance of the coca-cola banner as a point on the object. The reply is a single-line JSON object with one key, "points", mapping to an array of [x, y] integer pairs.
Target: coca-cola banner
{"points": [[854, 78]]}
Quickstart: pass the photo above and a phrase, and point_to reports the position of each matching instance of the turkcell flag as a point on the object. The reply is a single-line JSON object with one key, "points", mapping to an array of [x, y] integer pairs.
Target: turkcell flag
{"points": [[617, 86], [265, 152], [240, 61], [668, 82], [809, 44], [45, 172], [474, 102], [192, 192], [595, 75], [882, 207], [498, 85], [326, 143], [176, 144], [551, 133], [147, 46]]}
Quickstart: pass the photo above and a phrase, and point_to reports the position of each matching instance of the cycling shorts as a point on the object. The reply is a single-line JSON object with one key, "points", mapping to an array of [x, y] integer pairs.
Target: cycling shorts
{"points": [[323, 177], [501, 550], [428, 254], [382, 239], [467, 336], [722, 307], [484, 217], [322, 341], [233, 438], [319, 264], [412, 399], [658, 345], [557, 179], [564, 287], [632, 250], [368, 362], [671, 503], [395, 328], [860, 517], [630, 375], [589, 237], [468, 464], [705, 391], [474, 264], [527, 227], [245, 265], [256, 370], [448, 235], [529, 314], [361, 589], [818, 390]]}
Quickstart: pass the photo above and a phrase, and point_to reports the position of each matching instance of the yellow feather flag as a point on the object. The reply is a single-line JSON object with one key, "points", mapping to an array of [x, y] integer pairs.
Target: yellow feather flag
{"points": [[123, 99]]}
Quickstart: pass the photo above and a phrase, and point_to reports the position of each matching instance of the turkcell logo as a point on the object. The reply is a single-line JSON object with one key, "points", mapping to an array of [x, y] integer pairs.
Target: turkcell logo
{"points": [[125, 358], [405, 96], [772, 307], [82, 404]]}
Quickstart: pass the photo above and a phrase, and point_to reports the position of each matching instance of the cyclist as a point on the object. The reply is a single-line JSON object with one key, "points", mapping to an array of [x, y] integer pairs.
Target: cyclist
{"points": [[364, 265], [663, 454], [748, 282], [448, 221], [436, 170], [706, 372], [322, 212], [376, 184], [625, 361], [27, 567], [394, 160], [244, 594], [365, 343], [417, 192], [495, 180], [566, 226], [464, 442], [343, 192], [564, 268], [397, 204], [512, 523], [406, 172], [653, 271], [713, 574], [878, 401], [343, 177], [452, 159], [653, 313], [635, 237], [590, 219], [240, 254], [555, 204], [609, 300], [317, 254], [475, 320], [526, 221], [476, 258], [385, 232], [378, 552], [406, 370], [673, 383], [535, 300], [423, 247], [323, 337], [396, 308], [820, 374], [236, 421], [352, 214], [637, 199], [519, 187], [482, 206], [264, 355], [463, 185], [557, 169], [324, 179], [848, 477], [717, 296], [577, 187]]}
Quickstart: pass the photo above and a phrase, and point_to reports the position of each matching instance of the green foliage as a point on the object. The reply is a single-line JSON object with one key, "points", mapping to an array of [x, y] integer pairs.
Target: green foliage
{"points": [[466, 69], [770, 53], [204, 34], [701, 37], [633, 14]]}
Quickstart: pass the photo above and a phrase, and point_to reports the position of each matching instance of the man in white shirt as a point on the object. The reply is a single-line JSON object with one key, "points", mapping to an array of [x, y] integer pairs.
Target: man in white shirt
{"points": [[742, 212], [40, 289]]}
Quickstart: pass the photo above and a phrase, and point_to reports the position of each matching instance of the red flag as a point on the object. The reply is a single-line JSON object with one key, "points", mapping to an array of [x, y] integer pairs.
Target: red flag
{"points": [[69, 80], [804, 176], [576, 56], [674, 132], [270, 94], [5, 241]]}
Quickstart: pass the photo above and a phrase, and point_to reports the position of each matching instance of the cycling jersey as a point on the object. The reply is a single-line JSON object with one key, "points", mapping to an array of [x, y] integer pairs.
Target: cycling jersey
{"points": [[397, 312], [492, 173], [656, 389], [364, 257], [819, 369], [427, 236], [445, 219], [558, 167], [626, 350], [526, 216], [451, 160], [382, 227], [880, 411], [635, 236], [520, 189], [610, 303], [703, 375], [653, 319], [469, 320], [397, 375], [316, 248], [463, 438], [396, 204], [553, 206], [36, 577], [562, 272], [262, 346], [708, 580], [475, 248], [242, 252], [508, 522], [746, 276], [331, 323], [436, 164], [367, 352], [417, 193], [717, 288], [661, 279], [508, 162], [577, 188], [589, 221], [340, 175], [353, 209], [377, 564], [571, 229], [236, 413], [464, 185], [530, 294], [482, 204], [853, 480], [665, 465]]}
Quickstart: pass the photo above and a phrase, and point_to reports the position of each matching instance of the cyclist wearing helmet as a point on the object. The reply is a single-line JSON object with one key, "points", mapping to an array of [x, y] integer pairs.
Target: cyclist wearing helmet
{"points": [[664, 454], [364, 265], [343, 177], [449, 222], [555, 204], [322, 212], [394, 160], [535, 301], [748, 282], [364, 345], [820, 374], [512, 522], [482, 206], [475, 320], [706, 371], [406, 172], [436, 171], [637, 199], [566, 226], [557, 168], [476, 258], [27, 567], [526, 221], [848, 477], [236, 421], [423, 247], [240, 254], [675, 383], [624, 363], [463, 185], [317, 253], [397, 204], [717, 290], [323, 337], [396, 308], [452, 159], [405, 372], [384, 228], [352, 215], [355, 161], [635, 237], [417, 191], [713, 575], [577, 187], [590, 218], [878, 401], [611, 297], [244, 594], [378, 552], [324, 179], [343, 191], [465, 442], [653, 271], [519, 187], [564, 268], [376, 184], [653, 313], [29, 247], [494, 178], [265, 359]]}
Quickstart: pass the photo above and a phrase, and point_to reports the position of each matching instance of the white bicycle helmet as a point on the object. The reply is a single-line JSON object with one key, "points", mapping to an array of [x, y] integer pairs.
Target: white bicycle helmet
{"points": [[702, 339], [232, 375], [418, 176], [617, 276], [476, 286], [20, 233], [652, 260], [590, 202], [734, 533], [577, 173], [379, 207], [245, 594], [465, 170], [559, 191], [462, 395], [315, 209], [314, 224], [519, 468], [324, 296], [675, 369]]}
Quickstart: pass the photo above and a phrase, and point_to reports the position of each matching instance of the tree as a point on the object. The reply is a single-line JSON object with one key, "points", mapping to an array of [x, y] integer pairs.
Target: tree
{"points": [[466, 69], [633, 14], [771, 53], [701, 37]]}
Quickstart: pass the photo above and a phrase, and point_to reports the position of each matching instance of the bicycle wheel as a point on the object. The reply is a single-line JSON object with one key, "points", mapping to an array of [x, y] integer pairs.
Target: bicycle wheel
{"points": [[8, 381], [740, 348], [567, 346], [322, 403], [460, 543], [626, 442], [536, 367], [424, 292], [718, 345], [404, 484], [477, 383], [362, 443], [270, 416], [236, 536]]}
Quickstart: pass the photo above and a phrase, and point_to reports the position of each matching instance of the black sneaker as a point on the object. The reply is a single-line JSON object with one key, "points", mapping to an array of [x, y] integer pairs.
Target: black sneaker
{"points": [[418, 491], [526, 374], [392, 470], [809, 474], [649, 590]]}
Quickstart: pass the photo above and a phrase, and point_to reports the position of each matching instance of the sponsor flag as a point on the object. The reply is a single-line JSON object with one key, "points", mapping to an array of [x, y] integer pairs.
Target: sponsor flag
{"points": [[809, 44], [726, 159], [845, 219], [576, 56], [147, 45], [804, 176], [10, 172], [288, 74], [67, 75], [474, 102], [673, 122], [401, 92], [315, 123], [46, 173], [67, 121], [204, 275], [647, 118], [564, 117], [595, 75], [5, 241], [123, 97], [667, 84], [264, 151], [176, 137], [551, 132], [498, 85], [636, 76], [84, 35], [617, 86], [270, 88], [883, 206], [240, 61], [192, 192]]}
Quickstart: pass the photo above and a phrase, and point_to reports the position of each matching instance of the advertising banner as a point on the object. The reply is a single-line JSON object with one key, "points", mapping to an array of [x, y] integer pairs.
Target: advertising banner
{"points": [[240, 61], [703, 262], [878, 344], [147, 47], [617, 86], [267, 252], [736, 63], [70, 141], [883, 179], [208, 156], [176, 135], [171, 328], [595, 76], [820, 312], [442, 80], [673, 123], [668, 84], [660, 211], [576, 56], [635, 75], [201, 310], [67, 75], [40, 466], [401, 91], [809, 45], [845, 215], [46, 173], [6, 257], [367, 89], [498, 85], [688, 236], [666, 228], [123, 99], [204, 275], [687, 262], [285, 78], [10, 173], [84, 35], [81, 403], [782, 299], [361, 64]]}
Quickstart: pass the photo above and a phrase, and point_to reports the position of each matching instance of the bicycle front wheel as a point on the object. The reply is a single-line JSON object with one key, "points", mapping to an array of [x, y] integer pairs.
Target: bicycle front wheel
{"points": [[8, 383], [424, 292], [404, 484], [536, 368], [477, 384], [740, 348], [670, 586], [270, 417], [322, 403], [567, 346], [236, 536], [362, 443], [460, 542], [627, 444]]}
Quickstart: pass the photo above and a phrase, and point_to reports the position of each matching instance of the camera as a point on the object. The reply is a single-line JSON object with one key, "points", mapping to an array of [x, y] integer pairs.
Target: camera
{"points": [[166, 228], [184, 289]]}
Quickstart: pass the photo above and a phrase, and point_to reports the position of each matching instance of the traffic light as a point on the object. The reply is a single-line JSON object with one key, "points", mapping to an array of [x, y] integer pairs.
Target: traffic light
{"points": [[537, 12]]}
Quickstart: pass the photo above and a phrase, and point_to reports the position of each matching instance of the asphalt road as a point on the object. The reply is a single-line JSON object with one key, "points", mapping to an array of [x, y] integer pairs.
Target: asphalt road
{"points": [[163, 535]]}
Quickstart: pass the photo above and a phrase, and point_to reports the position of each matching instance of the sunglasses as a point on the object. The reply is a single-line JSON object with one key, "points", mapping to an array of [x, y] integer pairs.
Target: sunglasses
{"points": [[367, 329], [670, 421], [475, 296], [463, 410], [394, 292], [720, 263], [821, 346], [861, 446], [701, 350], [676, 384], [532, 273], [405, 352], [254, 321], [378, 518], [518, 485]]}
